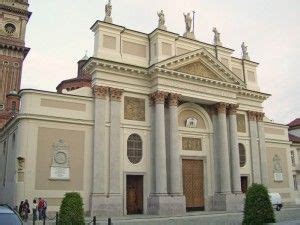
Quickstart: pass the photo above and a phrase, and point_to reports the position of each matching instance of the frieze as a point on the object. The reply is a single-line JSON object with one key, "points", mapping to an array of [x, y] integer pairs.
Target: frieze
{"points": [[191, 144], [134, 108]]}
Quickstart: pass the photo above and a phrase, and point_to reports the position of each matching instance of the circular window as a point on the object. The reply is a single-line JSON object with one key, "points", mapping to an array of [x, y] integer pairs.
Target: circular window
{"points": [[242, 153], [134, 148], [10, 28]]}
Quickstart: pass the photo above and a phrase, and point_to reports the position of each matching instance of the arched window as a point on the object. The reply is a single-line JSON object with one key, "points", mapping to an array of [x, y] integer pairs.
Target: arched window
{"points": [[242, 153], [134, 148]]}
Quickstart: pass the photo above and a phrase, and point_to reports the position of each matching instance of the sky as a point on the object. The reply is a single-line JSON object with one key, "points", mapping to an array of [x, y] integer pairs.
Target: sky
{"points": [[58, 34]]}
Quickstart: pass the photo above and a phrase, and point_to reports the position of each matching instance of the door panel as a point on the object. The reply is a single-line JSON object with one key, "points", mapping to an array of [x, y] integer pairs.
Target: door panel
{"points": [[134, 194], [244, 183], [193, 188]]}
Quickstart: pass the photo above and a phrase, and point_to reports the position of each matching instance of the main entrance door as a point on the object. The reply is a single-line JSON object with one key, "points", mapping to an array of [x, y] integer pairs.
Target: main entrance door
{"points": [[192, 173], [134, 194]]}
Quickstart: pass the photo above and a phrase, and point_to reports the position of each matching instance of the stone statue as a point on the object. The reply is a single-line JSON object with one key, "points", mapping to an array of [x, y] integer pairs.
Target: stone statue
{"points": [[108, 9], [217, 40], [245, 54], [188, 26], [188, 22], [161, 21]]}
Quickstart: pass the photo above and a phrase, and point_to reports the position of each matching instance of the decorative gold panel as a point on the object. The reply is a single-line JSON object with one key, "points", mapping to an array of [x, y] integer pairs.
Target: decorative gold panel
{"points": [[134, 108], [192, 144], [241, 123], [197, 68]]}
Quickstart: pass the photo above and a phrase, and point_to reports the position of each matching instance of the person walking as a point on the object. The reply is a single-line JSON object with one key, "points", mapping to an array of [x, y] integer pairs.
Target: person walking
{"points": [[26, 210], [42, 207], [21, 209], [34, 209]]}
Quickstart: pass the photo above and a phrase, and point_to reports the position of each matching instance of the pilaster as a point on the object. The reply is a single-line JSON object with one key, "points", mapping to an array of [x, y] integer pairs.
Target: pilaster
{"points": [[234, 150], [262, 149], [255, 158]]}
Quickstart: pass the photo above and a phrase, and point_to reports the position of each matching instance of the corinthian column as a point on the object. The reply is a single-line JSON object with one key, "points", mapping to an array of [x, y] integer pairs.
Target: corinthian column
{"points": [[256, 176], [100, 151], [262, 149], [114, 141], [175, 168], [223, 149], [234, 150], [160, 143]]}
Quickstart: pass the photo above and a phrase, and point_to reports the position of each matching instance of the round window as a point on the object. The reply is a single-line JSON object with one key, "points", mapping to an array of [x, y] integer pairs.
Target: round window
{"points": [[10, 28], [134, 148]]}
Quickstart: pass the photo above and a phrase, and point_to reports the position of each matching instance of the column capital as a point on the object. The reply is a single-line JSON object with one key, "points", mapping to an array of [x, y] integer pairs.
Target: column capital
{"points": [[115, 94], [159, 97], [252, 115], [100, 91], [221, 107], [260, 116], [232, 108], [173, 99]]}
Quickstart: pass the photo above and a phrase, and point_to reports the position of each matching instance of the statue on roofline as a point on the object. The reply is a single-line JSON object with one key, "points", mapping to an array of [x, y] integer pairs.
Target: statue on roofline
{"points": [[188, 26], [108, 9], [217, 40], [161, 21], [188, 22], [245, 54]]}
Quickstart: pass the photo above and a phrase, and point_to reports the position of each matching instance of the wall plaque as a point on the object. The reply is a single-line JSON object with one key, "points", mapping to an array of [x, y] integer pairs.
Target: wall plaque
{"points": [[60, 168], [277, 168], [241, 123], [134, 108], [191, 144]]}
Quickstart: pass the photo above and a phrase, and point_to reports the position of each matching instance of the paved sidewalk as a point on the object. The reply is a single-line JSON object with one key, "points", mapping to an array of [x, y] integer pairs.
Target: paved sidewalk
{"points": [[287, 216]]}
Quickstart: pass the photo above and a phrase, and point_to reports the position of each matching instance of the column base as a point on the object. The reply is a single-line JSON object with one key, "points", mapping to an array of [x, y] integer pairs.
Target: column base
{"points": [[103, 205], [228, 202], [166, 205]]}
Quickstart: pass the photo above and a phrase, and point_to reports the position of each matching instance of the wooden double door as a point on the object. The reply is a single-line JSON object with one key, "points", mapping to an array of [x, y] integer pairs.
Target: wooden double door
{"points": [[134, 194], [193, 184]]}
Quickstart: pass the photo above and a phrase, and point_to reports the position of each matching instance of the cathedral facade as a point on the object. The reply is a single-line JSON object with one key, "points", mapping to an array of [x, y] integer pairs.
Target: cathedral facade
{"points": [[154, 123]]}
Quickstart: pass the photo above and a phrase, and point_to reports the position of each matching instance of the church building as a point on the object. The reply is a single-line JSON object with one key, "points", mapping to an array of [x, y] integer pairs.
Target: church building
{"points": [[154, 123]]}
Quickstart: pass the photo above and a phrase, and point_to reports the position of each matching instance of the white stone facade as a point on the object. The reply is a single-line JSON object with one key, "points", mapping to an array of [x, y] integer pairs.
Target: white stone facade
{"points": [[149, 85]]}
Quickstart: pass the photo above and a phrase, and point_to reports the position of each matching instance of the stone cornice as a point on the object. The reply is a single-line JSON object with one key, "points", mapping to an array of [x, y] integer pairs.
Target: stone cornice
{"points": [[253, 94], [16, 10]]}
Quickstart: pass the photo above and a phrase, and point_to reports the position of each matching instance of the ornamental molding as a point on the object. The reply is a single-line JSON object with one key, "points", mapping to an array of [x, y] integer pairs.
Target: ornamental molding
{"points": [[100, 91], [173, 99], [252, 115], [232, 108], [221, 107], [159, 97], [115, 94]]}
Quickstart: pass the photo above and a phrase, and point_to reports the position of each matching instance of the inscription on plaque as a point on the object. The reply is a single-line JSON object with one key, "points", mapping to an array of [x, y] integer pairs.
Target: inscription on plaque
{"points": [[241, 123], [277, 168], [134, 108], [191, 144], [61, 173]]}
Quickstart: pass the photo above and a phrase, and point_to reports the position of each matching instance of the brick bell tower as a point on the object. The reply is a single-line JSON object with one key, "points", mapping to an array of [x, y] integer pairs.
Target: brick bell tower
{"points": [[14, 16]]}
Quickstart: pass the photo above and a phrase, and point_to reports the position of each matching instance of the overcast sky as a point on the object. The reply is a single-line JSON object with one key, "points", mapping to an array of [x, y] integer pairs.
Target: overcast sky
{"points": [[59, 33]]}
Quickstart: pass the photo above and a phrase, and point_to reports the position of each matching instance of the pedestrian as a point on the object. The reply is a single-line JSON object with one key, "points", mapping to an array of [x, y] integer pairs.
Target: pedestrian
{"points": [[34, 209], [21, 209], [42, 207], [26, 210]]}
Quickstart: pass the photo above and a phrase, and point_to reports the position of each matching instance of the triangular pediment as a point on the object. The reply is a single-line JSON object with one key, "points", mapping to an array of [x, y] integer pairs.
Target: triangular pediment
{"points": [[203, 64], [199, 69]]}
